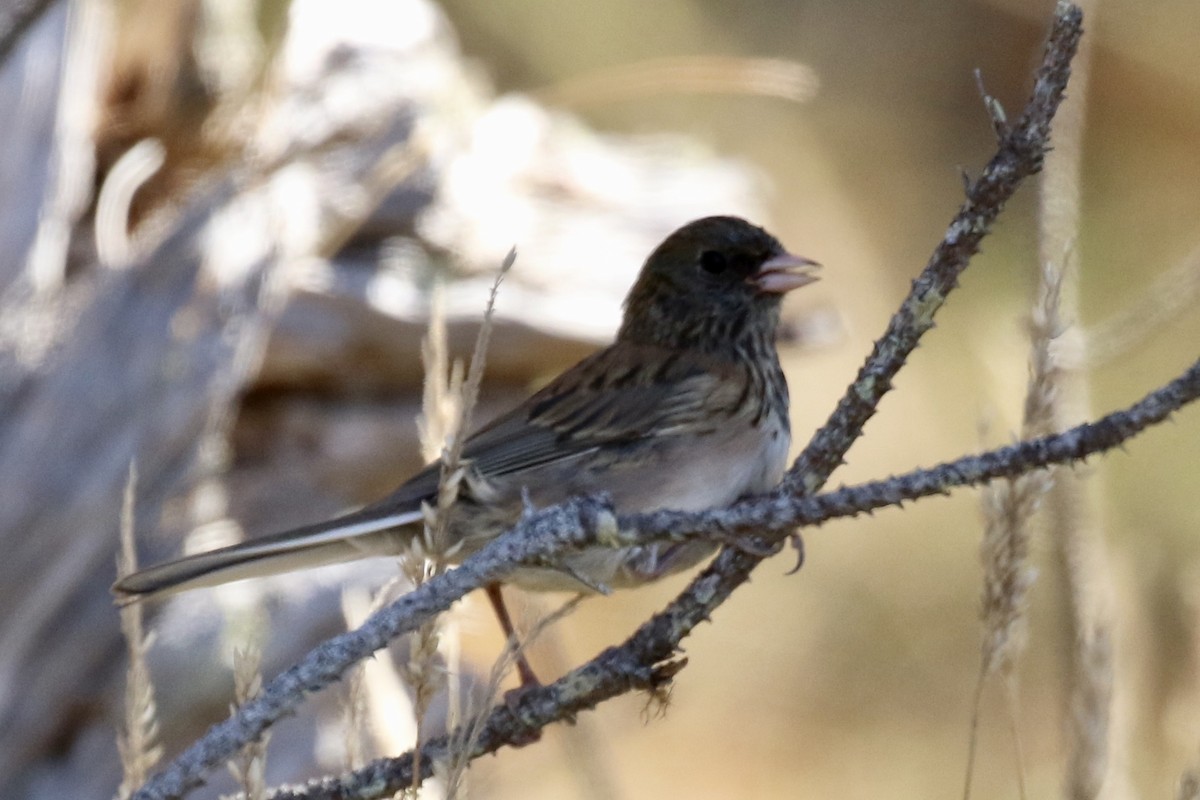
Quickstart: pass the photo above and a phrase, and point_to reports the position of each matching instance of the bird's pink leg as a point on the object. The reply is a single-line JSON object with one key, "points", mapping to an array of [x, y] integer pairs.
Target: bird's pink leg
{"points": [[523, 668]]}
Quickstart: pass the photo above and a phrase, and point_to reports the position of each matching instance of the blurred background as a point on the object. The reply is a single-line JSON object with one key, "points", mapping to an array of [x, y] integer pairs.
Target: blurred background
{"points": [[221, 225]]}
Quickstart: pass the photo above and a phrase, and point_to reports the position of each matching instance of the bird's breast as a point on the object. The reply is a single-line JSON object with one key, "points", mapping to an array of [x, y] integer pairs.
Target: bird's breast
{"points": [[688, 474]]}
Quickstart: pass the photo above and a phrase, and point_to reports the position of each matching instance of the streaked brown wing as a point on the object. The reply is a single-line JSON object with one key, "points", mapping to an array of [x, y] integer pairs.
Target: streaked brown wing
{"points": [[624, 393]]}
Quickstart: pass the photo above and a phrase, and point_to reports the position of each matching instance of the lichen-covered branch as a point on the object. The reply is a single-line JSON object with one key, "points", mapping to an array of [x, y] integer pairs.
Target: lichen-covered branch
{"points": [[647, 660]]}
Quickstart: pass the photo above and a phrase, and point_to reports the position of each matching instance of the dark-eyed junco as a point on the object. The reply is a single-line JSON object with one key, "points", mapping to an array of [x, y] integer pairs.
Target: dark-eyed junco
{"points": [[687, 409]]}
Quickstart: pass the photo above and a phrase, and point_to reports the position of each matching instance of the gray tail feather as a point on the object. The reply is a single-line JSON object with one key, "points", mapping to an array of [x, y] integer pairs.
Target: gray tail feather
{"points": [[347, 538]]}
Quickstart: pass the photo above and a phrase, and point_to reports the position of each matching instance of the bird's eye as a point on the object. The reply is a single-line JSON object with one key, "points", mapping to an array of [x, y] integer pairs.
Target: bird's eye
{"points": [[712, 262]]}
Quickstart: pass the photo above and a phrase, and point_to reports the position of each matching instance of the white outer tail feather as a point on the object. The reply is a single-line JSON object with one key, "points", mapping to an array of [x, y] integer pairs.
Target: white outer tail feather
{"points": [[329, 543]]}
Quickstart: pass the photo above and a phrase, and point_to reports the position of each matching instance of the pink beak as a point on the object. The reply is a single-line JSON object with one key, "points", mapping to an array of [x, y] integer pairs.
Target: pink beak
{"points": [[785, 272]]}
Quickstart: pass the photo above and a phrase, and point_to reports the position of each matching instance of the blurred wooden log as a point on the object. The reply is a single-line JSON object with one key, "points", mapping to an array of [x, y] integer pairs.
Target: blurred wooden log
{"points": [[17, 18], [145, 368], [27, 137], [30, 74]]}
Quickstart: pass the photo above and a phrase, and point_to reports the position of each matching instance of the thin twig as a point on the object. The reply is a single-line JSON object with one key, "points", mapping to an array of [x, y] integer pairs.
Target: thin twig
{"points": [[478, 359], [992, 105]]}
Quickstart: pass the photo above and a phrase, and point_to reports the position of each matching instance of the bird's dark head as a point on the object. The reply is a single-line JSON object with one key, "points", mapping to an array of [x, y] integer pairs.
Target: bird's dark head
{"points": [[712, 283]]}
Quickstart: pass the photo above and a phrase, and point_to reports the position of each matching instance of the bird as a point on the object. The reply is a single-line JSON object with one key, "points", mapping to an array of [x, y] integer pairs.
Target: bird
{"points": [[687, 410]]}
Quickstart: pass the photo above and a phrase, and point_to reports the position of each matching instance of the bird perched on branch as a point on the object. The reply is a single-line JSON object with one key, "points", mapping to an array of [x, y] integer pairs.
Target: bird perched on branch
{"points": [[687, 410]]}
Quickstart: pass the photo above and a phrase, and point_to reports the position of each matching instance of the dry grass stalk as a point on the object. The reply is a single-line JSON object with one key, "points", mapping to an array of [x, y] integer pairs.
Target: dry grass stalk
{"points": [[1009, 506], [1189, 785], [1075, 529], [421, 671], [584, 743], [468, 735], [441, 408], [1170, 295], [378, 702], [1089, 711], [470, 390], [1055, 395], [768, 77], [442, 390], [362, 691], [138, 745], [448, 404], [249, 767], [1008, 510], [354, 712], [453, 470]]}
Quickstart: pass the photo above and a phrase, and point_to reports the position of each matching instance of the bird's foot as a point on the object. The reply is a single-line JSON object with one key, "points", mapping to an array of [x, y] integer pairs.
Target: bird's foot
{"points": [[797, 545]]}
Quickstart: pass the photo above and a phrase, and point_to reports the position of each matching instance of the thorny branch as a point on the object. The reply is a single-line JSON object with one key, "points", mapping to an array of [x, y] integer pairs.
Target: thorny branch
{"points": [[646, 659], [545, 535]]}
